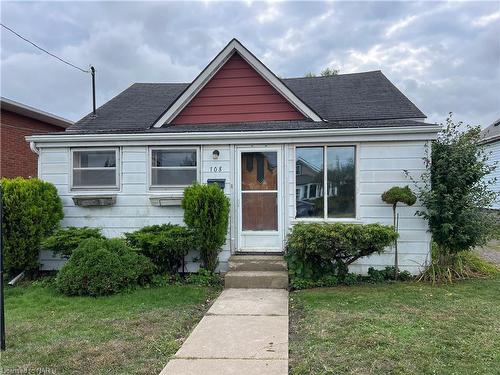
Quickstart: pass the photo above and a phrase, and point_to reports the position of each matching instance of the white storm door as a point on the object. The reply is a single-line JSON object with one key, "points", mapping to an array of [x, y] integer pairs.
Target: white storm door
{"points": [[259, 199]]}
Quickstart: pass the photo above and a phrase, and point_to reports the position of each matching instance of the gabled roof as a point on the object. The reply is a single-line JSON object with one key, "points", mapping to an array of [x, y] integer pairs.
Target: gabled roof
{"points": [[34, 113], [491, 133], [234, 46], [359, 99]]}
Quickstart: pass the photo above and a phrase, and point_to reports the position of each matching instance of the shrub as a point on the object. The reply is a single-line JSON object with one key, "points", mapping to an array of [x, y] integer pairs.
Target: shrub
{"points": [[103, 266], [318, 250], [165, 245], [463, 265], [456, 191], [204, 278], [387, 274], [206, 212], [31, 210], [65, 240]]}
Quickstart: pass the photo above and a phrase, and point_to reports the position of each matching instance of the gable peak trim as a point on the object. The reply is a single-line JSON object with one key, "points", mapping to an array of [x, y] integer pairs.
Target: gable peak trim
{"points": [[234, 46]]}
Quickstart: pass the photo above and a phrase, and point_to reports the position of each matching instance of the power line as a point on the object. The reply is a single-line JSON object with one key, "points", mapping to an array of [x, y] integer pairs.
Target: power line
{"points": [[44, 50]]}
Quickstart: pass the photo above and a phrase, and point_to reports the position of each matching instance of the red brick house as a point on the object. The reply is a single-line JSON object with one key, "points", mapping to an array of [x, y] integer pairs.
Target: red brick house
{"points": [[16, 122]]}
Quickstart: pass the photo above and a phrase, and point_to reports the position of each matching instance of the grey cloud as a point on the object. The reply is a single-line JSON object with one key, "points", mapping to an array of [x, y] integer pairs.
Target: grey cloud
{"points": [[437, 53]]}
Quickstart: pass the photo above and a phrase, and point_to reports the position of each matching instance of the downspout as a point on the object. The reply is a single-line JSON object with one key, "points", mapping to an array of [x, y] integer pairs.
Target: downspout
{"points": [[34, 148]]}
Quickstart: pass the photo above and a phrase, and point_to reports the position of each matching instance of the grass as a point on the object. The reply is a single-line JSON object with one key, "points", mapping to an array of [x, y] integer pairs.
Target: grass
{"points": [[129, 333], [401, 328]]}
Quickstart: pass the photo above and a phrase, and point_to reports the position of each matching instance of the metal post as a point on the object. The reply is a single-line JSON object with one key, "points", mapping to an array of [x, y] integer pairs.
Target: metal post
{"points": [[2, 301], [92, 72]]}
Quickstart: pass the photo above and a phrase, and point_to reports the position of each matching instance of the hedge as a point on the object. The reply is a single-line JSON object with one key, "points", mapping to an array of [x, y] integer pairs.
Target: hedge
{"points": [[31, 210]]}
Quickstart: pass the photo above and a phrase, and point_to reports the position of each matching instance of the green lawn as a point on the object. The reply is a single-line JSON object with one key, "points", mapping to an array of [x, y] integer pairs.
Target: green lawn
{"points": [[397, 329], [129, 333]]}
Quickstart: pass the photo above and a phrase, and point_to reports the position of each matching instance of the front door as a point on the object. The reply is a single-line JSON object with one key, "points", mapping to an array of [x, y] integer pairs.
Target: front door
{"points": [[259, 199]]}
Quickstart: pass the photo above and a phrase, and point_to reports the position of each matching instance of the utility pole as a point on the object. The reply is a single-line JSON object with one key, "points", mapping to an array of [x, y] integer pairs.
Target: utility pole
{"points": [[92, 73]]}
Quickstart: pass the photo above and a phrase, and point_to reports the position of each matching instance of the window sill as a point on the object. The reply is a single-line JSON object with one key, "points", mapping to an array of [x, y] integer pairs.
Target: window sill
{"points": [[94, 200], [331, 220], [166, 200]]}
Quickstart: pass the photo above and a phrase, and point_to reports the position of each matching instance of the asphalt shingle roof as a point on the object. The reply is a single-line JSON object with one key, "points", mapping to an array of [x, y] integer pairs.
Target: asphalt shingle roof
{"points": [[492, 132], [347, 100]]}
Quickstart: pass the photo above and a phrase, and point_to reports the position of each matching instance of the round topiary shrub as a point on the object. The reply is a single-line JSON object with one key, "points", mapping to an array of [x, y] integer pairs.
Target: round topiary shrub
{"points": [[103, 266]]}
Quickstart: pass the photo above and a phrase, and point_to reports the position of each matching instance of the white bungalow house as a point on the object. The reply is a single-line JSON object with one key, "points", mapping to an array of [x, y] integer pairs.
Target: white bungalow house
{"points": [[314, 149], [490, 138]]}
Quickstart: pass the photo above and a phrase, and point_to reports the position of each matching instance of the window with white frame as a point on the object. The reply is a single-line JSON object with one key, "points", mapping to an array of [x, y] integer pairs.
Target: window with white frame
{"points": [[172, 168], [330, 170], [95, 168]]}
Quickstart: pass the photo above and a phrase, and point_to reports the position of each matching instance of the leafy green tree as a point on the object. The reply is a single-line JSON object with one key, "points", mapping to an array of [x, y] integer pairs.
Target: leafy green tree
{"points": [[456, 192], [394, 196], [327, 72]]}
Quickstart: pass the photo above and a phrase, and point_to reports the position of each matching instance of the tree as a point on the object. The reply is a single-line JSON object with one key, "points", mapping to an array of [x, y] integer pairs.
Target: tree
{"points": [[327, 72], [394, 196], [456, 192]]}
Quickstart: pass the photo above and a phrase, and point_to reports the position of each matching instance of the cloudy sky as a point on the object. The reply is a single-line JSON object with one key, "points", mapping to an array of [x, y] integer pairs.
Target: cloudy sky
{"points": [[445, 56]]}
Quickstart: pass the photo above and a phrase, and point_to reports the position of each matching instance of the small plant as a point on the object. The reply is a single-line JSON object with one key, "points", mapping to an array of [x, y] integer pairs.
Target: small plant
{"points": [[204, 278], [464, 265], [101, 267], [387, 274], [206, 212], [32, 209], [65, 240], [165, 245], [318, 250], [394, 196]]}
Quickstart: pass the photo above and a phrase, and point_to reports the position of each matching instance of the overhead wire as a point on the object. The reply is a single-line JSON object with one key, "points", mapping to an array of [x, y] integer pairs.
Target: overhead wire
{"points": [[43, 49]]}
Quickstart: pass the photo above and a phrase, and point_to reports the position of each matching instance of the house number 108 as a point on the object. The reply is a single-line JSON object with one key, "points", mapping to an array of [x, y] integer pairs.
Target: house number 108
{"points": [[216, 169]]}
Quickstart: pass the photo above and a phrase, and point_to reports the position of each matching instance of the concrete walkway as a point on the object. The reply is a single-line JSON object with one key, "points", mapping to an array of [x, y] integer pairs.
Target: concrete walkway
{"points": [[244, 332]]}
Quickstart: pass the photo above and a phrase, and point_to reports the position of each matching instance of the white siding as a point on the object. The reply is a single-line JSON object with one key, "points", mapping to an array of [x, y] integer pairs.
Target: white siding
{"points": [[133, 209], [493, 149], [380, 166]]}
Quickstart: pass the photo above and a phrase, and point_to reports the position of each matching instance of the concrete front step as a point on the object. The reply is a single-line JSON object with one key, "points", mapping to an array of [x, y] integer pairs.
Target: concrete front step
{"points": [[256, 279], [257, 263]]}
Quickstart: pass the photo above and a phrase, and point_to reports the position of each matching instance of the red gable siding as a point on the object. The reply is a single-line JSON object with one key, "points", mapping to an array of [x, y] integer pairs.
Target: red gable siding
{"points": [[237, 93]]}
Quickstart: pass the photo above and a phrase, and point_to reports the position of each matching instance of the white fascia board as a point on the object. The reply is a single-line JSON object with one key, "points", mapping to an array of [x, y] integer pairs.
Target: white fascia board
{"points": [[214, 67], [413, 133]]}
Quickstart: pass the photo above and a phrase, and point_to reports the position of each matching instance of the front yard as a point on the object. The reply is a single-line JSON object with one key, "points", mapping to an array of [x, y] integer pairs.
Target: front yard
{"points": [[128, 333], [406, 328]]}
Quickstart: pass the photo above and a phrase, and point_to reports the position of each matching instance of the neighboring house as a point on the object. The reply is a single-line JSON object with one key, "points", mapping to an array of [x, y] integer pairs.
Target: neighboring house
{"points": [[238, 124], [490, 137], [16, 122]]}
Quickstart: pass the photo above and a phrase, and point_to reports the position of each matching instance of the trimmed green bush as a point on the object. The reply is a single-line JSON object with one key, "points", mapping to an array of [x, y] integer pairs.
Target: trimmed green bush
{"points": [[31, 210], [398, 194], [206, 212], [101, 267], [65, 240], [165, 245], [318, 250]]}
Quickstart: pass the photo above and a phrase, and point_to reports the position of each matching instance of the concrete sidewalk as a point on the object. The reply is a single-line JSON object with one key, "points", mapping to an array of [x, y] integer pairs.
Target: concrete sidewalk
{"points": [[244, 332]]}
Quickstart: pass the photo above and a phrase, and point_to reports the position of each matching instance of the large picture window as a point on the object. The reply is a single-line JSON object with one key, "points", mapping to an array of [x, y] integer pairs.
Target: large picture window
{"points": [[95, 168], [173, 167], [325, 182]]}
